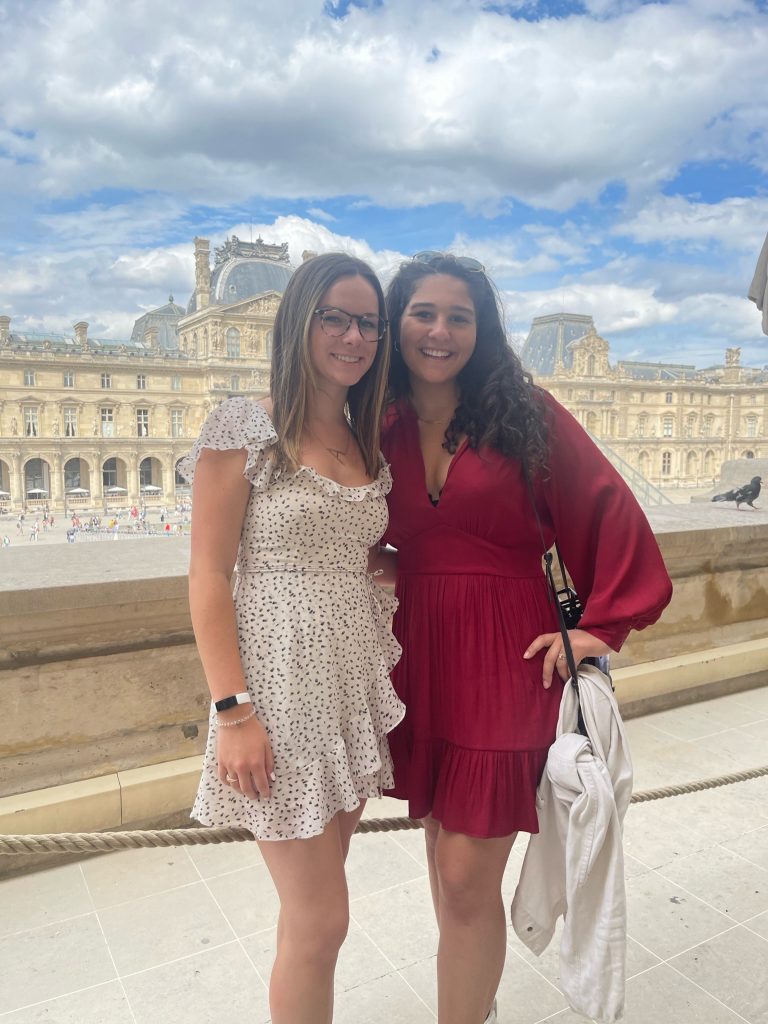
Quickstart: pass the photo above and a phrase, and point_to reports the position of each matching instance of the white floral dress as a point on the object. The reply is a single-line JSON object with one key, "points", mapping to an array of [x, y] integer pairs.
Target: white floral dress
{"points": [[314, 636]]}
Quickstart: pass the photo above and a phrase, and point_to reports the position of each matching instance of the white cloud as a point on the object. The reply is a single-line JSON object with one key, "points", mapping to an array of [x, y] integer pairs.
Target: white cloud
{"points": [[143, 96], [737, 223]]}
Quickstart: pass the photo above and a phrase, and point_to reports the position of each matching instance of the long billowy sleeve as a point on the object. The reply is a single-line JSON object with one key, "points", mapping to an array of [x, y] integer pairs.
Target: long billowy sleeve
{"points": [[603, 534]]}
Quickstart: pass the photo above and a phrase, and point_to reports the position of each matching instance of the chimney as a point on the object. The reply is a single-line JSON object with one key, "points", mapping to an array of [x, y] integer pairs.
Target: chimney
{"points": [[5, 329], [202, 272], [81, 333]]}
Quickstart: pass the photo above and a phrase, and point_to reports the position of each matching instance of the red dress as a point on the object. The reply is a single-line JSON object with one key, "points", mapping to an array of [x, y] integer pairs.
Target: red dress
{"points": [[472, 598]]}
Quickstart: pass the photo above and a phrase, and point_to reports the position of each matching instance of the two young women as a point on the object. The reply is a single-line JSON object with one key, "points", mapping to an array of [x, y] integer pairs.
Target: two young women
{"points": [[293, 491]]}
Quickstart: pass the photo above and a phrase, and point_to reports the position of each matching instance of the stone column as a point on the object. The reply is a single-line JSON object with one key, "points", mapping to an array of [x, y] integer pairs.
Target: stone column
{"points": [[202, 272], [57, 479]]}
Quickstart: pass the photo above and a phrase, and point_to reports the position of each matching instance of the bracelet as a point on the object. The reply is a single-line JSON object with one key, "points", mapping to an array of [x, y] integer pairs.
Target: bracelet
{"points": [[230, 702], [237, 721]]}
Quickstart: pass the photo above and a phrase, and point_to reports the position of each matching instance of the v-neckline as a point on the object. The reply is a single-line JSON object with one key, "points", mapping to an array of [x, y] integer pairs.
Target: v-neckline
{"points": [[423, 473]]}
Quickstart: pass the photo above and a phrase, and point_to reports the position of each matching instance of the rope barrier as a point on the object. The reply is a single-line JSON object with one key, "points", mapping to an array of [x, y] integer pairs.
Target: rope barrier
{"points": [[102, 842]]}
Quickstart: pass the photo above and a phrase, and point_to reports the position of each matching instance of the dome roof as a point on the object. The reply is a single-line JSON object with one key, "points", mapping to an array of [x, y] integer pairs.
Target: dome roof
{"points": [[242, 278], [549, 339], [164, 320]]}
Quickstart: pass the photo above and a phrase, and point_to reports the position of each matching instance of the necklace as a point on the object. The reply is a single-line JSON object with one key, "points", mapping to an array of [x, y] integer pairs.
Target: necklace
{"points": [[338, 453]]}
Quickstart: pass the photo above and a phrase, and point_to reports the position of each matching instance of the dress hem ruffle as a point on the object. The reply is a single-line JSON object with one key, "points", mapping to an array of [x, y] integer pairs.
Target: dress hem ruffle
{"points": [[453, 785]]}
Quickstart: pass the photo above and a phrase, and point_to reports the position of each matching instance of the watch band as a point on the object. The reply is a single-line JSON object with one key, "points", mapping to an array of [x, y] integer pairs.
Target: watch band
{"points": [[231, 702]]}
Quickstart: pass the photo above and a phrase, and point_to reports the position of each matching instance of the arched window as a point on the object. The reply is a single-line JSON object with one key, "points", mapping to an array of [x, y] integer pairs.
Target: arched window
{"points": [[669, 426], [751, 426], [666, 463], [709, 463], [233, 343], [692, 464], [749, 454]]}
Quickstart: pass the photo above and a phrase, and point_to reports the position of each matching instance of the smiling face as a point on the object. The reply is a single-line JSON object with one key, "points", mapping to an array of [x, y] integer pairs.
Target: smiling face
{"points": [[340, 362], [438, 329]]}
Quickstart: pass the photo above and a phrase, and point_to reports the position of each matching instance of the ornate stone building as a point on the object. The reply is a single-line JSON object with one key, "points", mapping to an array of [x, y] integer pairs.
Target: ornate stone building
{"points": [[94, 423], [673, 423]]}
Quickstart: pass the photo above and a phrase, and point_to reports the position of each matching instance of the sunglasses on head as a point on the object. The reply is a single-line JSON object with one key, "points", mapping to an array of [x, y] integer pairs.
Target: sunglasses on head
{"points": [[431, 257]]}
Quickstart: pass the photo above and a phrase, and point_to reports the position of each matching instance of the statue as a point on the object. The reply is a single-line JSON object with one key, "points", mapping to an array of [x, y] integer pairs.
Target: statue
{"points": [[55, 428], [733, 357], [95, 428], [14, 426]]}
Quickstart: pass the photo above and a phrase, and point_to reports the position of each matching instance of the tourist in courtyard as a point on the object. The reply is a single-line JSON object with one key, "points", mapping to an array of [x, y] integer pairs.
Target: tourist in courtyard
{"points": [[472, 444], [298, 662]]}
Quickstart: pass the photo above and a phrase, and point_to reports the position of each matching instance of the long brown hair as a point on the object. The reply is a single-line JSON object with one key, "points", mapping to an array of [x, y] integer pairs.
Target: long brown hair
{"points": [[498, 405], [292, 375]]}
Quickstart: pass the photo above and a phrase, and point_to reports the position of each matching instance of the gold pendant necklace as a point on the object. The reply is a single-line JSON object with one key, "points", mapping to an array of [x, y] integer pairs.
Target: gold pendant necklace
{"points": [[337, 453]]}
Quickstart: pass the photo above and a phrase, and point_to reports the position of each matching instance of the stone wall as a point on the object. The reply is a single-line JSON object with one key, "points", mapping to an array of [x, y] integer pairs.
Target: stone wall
{"points": [[103, 677]]}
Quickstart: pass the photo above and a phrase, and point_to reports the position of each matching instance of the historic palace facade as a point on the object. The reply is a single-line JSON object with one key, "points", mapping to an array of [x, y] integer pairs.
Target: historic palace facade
{"points": [[91, 423], [673, 423]]}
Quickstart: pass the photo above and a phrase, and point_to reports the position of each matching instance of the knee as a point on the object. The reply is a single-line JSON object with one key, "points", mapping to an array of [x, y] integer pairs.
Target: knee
{"points": [[318, 934], [465, 893]]}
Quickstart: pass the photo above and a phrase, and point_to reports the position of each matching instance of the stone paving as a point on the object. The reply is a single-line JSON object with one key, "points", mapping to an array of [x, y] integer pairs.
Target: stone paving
{"points": [[185, 936]]}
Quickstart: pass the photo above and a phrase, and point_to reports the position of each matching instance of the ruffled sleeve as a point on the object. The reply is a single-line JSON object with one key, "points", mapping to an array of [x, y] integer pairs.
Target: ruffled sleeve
{"points": [[235, 424], [605, 539]]}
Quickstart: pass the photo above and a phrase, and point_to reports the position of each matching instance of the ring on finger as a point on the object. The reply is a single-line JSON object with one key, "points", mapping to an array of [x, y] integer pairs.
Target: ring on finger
{"points": [[561, 657], [231, 779]]}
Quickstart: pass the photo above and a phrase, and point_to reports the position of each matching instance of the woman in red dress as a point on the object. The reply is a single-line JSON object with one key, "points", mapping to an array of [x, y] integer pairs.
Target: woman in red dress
{"points": [[482, 666]]}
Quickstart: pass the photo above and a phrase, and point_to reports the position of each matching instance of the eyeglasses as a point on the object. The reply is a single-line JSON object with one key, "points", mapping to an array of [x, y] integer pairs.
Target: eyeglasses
{"points": [[430, 257], [336, 323]]}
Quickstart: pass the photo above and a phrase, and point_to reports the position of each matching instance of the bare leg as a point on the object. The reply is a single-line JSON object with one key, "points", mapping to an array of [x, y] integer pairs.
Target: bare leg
{"points": [[472, 922], [431, 832], [314, 917]]}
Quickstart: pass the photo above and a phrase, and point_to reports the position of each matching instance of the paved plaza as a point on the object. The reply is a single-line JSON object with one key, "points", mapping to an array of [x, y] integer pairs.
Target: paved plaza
{"points": [[185, 935]]}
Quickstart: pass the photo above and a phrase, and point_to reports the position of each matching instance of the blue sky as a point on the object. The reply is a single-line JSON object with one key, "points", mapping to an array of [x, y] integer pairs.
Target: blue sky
{"points": [[606, 157]]}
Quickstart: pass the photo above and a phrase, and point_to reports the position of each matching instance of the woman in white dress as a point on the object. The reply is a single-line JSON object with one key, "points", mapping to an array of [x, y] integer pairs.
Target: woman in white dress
{"points": [[290, 492]]}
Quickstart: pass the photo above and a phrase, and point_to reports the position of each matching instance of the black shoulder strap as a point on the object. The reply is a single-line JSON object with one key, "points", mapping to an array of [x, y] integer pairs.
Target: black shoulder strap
{"points": [[552, 589]]}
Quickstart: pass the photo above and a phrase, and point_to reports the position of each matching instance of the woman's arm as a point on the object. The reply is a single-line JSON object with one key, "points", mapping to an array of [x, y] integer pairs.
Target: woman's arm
{"points": [[220, 496], [383, 560]]}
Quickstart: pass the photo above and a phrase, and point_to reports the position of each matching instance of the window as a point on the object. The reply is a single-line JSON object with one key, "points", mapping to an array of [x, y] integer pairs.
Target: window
{"points": [[70, 422], [31, 428], [709, 399], [109, 473], [106, 380], [107, 422], [690, 425], [751, 426], [709, 425], [177, 423], [142, 422], [233, 343], [141, 382], [668, 426], [29, 378], [668, 398], [641, 424], [590, 365], [234, 382], [691, 397], [666, 463], [176, 383], [69, 379]]}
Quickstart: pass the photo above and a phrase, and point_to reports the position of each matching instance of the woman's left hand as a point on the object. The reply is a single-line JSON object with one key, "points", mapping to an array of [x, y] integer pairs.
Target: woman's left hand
{"points": [[584, 646]]}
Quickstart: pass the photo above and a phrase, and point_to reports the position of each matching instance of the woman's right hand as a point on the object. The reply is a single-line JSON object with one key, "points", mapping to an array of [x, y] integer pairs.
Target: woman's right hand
{"points": [[244, 753]]}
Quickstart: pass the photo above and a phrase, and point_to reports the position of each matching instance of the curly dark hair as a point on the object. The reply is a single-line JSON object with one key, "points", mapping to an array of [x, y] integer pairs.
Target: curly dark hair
{"points": [[499, 405]]}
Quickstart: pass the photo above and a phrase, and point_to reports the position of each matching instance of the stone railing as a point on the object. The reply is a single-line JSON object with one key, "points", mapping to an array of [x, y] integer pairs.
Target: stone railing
{"points": [[101, 676]]}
